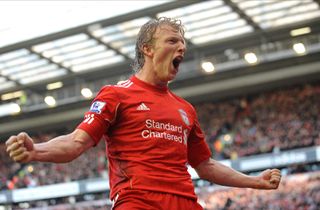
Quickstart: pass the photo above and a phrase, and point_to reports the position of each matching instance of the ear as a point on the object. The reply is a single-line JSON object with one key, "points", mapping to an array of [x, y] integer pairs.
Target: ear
{"points": [[147, 50]]}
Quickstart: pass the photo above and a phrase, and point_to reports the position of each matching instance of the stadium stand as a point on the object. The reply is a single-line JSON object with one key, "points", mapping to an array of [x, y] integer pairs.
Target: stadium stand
{"points": [[296, 192], [273, 121]]}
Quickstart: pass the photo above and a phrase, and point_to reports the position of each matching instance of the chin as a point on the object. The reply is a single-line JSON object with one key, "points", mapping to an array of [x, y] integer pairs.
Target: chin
{"points": [[168, 77], [167, 80], [172, 76]]}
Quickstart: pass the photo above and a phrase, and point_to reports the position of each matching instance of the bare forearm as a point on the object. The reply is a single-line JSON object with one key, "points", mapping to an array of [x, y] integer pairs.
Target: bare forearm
{"points": [[220, 174], [57, 150], [62, 149]]}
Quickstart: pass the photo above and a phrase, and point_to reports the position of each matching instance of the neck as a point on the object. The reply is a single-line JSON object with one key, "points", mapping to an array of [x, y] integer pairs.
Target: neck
{"points": [[147, 75]]}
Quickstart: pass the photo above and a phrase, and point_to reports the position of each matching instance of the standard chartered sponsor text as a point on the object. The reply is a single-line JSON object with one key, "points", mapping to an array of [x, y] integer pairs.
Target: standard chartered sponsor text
{"points": [[164, 131], [165, 126]]}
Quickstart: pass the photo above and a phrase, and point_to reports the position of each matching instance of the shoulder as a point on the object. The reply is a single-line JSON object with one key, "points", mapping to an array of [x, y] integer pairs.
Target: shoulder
{"points": [[120, 86], [119, 90], [125, 84], [188, 106]]}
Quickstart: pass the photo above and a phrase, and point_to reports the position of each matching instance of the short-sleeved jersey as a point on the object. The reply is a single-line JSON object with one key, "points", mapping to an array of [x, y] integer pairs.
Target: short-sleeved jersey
{"points": [[150, 133]]}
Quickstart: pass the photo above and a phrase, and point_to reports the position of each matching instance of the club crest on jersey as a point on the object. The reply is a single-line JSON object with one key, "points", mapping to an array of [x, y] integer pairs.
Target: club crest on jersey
{"points": [[184, 117], [97, 106]]}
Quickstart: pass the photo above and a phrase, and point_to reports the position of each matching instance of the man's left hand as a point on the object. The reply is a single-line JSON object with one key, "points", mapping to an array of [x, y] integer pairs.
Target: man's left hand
{"points": [[269, 179]]}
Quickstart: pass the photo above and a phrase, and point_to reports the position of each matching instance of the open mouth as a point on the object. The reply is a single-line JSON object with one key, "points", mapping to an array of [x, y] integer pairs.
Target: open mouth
{"points": [[176, 61]]}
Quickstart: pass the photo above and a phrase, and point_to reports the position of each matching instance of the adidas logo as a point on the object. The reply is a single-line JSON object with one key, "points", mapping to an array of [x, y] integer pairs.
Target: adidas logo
{"points": [[142, 106]]}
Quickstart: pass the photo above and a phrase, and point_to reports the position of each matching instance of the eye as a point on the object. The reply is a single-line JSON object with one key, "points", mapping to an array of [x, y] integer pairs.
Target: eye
{"points": [[172, 41]]}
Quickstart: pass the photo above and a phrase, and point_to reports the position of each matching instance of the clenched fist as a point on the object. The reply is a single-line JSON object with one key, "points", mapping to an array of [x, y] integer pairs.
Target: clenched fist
{"points": [[270, 179], [20, 148]]}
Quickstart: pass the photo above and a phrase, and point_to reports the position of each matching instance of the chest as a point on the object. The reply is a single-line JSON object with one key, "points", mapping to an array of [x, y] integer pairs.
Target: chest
{"points": [[156, 112], [155, 126], [159, 121]]}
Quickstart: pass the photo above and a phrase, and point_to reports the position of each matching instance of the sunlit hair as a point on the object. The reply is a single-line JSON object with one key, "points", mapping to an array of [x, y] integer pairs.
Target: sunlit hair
{"points": [[145, 37]]}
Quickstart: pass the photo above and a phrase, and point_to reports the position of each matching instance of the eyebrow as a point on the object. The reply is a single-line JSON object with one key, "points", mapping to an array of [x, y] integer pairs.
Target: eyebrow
{"points": [[178, 38]]}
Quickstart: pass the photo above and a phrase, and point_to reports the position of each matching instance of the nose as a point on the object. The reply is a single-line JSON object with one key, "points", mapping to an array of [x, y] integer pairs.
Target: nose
{"points": [[182, 48]]}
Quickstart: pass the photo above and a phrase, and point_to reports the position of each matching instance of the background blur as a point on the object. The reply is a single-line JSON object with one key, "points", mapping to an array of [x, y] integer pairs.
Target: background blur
{"points": [[252, 71]]}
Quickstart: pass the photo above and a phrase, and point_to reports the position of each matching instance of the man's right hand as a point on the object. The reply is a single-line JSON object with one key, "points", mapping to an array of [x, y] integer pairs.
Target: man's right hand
{"points": [[20, 148]]}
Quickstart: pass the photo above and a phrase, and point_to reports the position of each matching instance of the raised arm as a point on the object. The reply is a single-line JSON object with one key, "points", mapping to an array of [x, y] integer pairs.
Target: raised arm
{"points": [[215, 172], [61, 149]]}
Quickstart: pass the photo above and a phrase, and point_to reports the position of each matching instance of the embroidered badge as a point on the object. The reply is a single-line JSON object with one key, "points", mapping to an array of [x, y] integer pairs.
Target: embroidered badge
{"points": [[184, 117], [97, 106]]}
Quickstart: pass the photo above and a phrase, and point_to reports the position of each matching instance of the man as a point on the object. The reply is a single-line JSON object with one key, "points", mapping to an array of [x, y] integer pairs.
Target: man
{"points": [[150, 133]]}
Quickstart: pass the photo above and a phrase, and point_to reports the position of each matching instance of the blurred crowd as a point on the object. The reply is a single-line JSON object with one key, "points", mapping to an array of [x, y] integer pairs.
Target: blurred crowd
{"points": [[266, 122], [296, 192], [13, 175]]}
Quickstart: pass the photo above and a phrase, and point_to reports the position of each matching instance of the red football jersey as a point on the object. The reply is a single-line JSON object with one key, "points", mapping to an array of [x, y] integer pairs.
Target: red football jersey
{"points": [[151, 134]]}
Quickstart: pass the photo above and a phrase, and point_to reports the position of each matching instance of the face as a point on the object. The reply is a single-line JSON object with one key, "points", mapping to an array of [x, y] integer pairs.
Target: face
{"points": [[167, 52]]}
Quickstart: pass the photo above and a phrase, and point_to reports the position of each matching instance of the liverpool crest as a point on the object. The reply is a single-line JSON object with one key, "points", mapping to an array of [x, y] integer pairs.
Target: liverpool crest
{"points": [[184, 117]]}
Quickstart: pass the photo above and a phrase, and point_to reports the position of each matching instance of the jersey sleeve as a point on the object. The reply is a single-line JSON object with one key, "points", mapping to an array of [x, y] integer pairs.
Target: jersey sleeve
{"points": [[101, 115], [198, 149]]}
